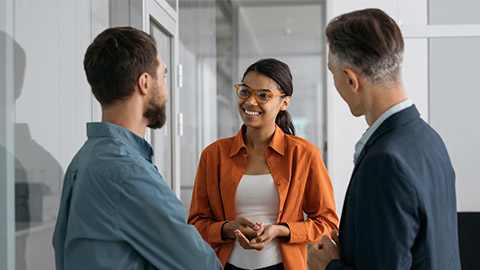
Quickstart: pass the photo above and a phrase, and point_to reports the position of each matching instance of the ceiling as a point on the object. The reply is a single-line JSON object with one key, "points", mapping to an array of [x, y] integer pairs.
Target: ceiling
{"points": [[275, 27], [280, 27]]}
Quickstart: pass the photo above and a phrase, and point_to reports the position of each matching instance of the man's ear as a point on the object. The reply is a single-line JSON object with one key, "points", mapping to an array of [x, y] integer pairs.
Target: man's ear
{"points": [[353, 79], [285, 103], [143, 83]]}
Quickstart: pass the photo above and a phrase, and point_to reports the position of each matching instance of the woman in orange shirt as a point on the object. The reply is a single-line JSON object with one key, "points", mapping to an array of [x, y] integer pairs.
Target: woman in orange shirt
{"points": [[252, 190]]}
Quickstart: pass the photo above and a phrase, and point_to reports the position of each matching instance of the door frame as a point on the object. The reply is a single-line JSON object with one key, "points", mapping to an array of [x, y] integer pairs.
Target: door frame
{"points": [[165, 16], [137, 13]]}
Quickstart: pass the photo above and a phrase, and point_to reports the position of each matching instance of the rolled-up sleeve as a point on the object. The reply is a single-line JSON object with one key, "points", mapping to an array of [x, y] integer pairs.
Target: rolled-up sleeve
{"points": [[318, 205]]}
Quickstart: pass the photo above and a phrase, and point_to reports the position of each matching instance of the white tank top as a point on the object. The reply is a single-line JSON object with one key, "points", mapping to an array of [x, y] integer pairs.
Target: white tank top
{"points": [[257, 199]]}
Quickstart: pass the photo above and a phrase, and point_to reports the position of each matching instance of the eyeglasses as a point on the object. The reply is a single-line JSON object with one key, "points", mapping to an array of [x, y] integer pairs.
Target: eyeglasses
{"points": [[262, 96]]}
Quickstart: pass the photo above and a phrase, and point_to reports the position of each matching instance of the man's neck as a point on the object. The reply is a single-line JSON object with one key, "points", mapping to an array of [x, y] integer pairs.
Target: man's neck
{"points": [[381, 99], [125, 115]]}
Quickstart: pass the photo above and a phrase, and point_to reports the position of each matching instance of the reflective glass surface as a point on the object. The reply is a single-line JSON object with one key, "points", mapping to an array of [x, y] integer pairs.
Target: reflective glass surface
{"points": [[161, 139], [52, 102], [198, 103]]}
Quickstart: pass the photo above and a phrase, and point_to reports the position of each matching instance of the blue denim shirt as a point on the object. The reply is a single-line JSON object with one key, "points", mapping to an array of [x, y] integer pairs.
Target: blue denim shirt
{"points": [[117, 212]]}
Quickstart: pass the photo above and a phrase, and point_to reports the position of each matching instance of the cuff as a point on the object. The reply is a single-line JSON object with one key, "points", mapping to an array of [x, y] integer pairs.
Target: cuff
{"points": [[334, 264], [215, 233], [298, 234]]}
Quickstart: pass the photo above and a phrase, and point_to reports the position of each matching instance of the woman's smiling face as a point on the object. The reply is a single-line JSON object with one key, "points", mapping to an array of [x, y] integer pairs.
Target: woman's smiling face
{"points": [[258, 115]]}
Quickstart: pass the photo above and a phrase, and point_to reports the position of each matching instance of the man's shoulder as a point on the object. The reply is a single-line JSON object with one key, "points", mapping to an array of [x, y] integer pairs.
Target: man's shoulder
{"points": [[110, 158], [408, 152], [411, 139], [113, 148]]}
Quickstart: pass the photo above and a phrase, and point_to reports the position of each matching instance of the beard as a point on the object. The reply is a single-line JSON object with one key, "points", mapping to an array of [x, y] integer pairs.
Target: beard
{"points": [[155, 112]]}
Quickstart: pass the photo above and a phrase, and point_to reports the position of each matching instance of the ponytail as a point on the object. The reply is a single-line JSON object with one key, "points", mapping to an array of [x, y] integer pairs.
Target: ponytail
{"points": [[284, 121]]}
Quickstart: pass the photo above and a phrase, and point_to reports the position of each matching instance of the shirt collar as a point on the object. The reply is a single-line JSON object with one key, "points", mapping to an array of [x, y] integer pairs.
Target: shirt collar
{"points": [[369, 132], [106, 129], [277, 143]]}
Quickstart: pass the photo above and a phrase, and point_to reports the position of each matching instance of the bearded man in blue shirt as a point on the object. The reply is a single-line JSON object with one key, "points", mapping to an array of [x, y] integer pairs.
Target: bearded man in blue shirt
{"points": [[116, 210]]}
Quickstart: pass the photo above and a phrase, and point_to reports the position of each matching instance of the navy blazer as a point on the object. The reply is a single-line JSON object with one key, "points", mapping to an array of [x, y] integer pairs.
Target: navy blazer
{"points": [[400, 207]]}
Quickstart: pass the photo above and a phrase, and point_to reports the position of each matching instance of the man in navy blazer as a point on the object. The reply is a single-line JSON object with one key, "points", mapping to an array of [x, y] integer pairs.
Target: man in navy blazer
{"points": [[400, 206]]}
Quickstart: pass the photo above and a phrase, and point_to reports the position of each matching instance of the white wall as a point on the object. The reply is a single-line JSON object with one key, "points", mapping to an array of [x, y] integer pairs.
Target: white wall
{"points": [[455, 111], [455, 95], [344, 130]]}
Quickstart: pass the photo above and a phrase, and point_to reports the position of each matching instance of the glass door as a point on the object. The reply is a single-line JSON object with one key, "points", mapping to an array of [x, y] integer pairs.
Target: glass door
{"points": [[161, 139], [160, 20]]}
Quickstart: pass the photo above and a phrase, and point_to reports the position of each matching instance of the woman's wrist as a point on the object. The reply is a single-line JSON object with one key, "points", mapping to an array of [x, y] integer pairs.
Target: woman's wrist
{"points": [[227, 231], [282, 231]]}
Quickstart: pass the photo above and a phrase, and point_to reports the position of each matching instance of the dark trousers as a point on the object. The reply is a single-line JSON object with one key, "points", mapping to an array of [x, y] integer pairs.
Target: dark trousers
{"points": [[273, 267]]}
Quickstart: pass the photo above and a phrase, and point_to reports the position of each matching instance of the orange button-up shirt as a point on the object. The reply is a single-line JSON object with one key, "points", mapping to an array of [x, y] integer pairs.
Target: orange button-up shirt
{"points": [[303, 186]]}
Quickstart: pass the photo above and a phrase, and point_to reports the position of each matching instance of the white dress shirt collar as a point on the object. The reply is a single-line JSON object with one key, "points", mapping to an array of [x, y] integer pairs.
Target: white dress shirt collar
{"points": [[369, 132]]}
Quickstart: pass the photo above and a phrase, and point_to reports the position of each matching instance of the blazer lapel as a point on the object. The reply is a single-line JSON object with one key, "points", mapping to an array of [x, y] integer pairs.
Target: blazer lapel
{"points": [[395, 120]]}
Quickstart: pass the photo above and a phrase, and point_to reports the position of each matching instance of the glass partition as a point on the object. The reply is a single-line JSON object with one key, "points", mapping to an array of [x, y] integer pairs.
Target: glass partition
{"points": [[226, 37], [197, 55], [161, 139], [8, 46], [52, 103]]}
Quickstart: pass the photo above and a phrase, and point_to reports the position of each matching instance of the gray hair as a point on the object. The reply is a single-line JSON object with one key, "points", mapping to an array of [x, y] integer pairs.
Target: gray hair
{"points": [[368, 41], [382, 71]]}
